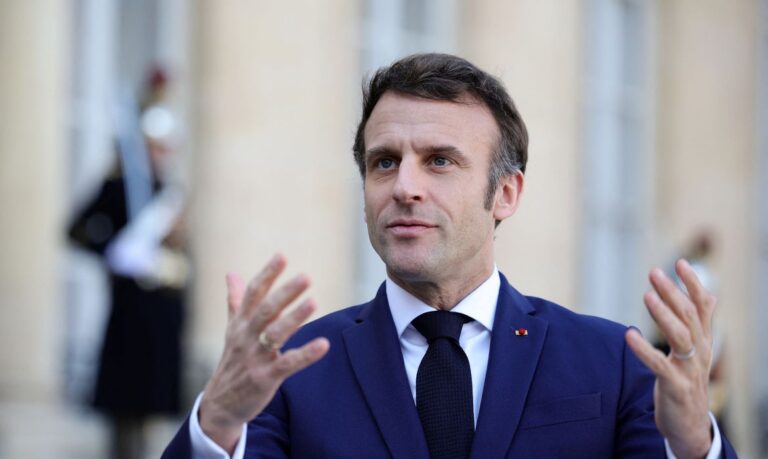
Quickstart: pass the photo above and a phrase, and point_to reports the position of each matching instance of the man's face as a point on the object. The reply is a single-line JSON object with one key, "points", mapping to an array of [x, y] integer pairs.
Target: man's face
{"points": [[427, 168]]}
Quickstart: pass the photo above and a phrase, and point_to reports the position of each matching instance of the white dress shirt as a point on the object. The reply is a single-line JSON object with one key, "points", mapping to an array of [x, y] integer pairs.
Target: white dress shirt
{"points": [[475, 337], [475, 340]]}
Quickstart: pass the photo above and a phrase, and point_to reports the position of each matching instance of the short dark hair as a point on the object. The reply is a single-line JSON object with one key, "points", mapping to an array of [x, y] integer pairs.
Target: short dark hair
{"points": [[446, 77]]}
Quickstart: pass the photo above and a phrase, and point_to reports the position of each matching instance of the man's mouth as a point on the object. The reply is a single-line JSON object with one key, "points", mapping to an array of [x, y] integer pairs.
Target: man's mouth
{"points": [[407, 227]]}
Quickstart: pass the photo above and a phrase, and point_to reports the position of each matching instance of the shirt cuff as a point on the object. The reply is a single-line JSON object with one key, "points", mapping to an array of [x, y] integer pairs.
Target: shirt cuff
{"points": [[205, 448], [717, 443]]}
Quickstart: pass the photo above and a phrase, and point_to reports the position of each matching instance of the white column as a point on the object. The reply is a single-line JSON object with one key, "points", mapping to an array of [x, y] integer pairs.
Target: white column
{"points": [[616, 174], [93, 89], [34, 39]]}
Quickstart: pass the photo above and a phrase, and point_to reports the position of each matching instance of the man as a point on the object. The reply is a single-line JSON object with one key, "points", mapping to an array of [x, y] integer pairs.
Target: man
{"points": [[442, 151]]}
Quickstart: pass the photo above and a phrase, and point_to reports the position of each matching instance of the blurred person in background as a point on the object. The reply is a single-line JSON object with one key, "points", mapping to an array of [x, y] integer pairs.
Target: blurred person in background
{"points": [[135, 224]]}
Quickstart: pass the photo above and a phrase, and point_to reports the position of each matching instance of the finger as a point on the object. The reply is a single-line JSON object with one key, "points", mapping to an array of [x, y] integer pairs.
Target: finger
{"points": [[703, 300], [676, 332], [296, 360], [653, 358], [281, 329], [678, 302], [278, 300], [235, 292], [260, 285]]}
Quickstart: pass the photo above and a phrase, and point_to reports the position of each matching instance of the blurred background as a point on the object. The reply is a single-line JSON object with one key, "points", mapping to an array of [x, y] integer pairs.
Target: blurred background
{"points": [[148, 147]]}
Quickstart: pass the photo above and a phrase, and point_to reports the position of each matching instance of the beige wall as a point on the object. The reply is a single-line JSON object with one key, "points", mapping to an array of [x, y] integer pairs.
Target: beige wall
{"points": [[706, 158], [34, 65], [535, 47], [272, 140]]}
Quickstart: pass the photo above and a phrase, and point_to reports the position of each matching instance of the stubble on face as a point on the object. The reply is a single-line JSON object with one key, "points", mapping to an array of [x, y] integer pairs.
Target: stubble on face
{"points": [[426, 178]]}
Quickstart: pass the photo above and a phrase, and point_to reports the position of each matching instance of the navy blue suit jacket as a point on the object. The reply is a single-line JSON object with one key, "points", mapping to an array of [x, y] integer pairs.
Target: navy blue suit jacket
{"points": [[569, 388]]}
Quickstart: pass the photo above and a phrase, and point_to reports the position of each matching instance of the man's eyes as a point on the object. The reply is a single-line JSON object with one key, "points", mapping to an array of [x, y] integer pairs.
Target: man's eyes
{"points": [[391, 163], [385, 163], [440, 161]]}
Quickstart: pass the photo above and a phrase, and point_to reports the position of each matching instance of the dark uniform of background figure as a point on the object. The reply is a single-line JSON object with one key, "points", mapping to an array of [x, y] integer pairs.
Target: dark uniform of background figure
{"points": [[140, 362]]}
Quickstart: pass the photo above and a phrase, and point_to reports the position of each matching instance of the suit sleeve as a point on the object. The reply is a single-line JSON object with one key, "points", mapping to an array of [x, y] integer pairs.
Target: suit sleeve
{"points": [[636, 435], [268, 433], [265, 437], [181, 446]]}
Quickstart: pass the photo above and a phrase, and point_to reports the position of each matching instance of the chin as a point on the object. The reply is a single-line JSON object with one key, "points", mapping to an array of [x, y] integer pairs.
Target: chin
{"points": [[410, 268]]}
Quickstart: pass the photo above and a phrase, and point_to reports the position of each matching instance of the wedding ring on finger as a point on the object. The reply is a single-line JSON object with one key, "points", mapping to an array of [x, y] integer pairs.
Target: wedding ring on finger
{"points": [[267, 343], [687, 356]]}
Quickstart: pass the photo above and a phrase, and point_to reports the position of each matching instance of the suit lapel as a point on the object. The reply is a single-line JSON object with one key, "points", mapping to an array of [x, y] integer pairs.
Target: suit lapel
{"points": [[512, 363], [374, 352]]}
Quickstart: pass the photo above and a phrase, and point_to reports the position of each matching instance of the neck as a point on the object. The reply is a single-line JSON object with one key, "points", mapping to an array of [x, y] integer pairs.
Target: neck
{"points": [[443, 294]]}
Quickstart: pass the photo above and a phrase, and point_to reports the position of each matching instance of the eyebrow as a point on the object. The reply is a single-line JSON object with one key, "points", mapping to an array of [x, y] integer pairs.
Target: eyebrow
{"points": [[432, 149], [445, 149], [379, 151]]}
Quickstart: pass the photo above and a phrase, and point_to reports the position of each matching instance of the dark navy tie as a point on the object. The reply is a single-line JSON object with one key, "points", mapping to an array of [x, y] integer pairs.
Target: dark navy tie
{"points": [[444, 386]]}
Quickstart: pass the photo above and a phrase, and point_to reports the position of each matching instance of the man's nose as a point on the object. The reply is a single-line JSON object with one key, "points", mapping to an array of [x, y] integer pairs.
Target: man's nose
{"points": [[409, 184]]}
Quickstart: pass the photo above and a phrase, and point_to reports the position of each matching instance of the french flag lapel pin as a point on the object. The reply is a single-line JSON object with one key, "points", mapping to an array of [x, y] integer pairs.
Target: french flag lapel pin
{"points": [[521, 332]]}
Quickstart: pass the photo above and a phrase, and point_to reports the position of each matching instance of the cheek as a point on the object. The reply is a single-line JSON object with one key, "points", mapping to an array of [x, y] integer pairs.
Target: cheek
{"points": [[462, 202], [368, 217], [371, 208], [470, 214]]}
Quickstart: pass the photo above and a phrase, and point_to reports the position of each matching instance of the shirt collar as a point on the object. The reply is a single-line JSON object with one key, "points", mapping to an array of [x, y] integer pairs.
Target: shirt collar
{"points": [[480, 304]]}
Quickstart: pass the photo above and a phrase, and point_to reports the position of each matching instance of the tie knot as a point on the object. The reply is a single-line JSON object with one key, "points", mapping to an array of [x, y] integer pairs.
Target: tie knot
{"points": [[440, 324]]}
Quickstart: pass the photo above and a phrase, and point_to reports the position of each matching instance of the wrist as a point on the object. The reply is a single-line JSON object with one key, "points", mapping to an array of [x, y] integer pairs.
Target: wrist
{"points": [[218, 426], [694, 448]]}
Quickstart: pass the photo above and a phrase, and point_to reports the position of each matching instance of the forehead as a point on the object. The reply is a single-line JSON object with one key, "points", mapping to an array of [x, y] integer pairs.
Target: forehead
{"points": [[398, 119]]}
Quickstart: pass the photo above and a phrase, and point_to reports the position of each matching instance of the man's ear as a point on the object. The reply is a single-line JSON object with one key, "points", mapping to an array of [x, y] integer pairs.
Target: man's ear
{"points": [[508, 196]]}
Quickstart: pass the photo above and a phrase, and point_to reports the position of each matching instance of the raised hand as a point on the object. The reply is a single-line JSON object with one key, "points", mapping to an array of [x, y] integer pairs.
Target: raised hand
{"points": [[680, 393], [252, 367]]}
